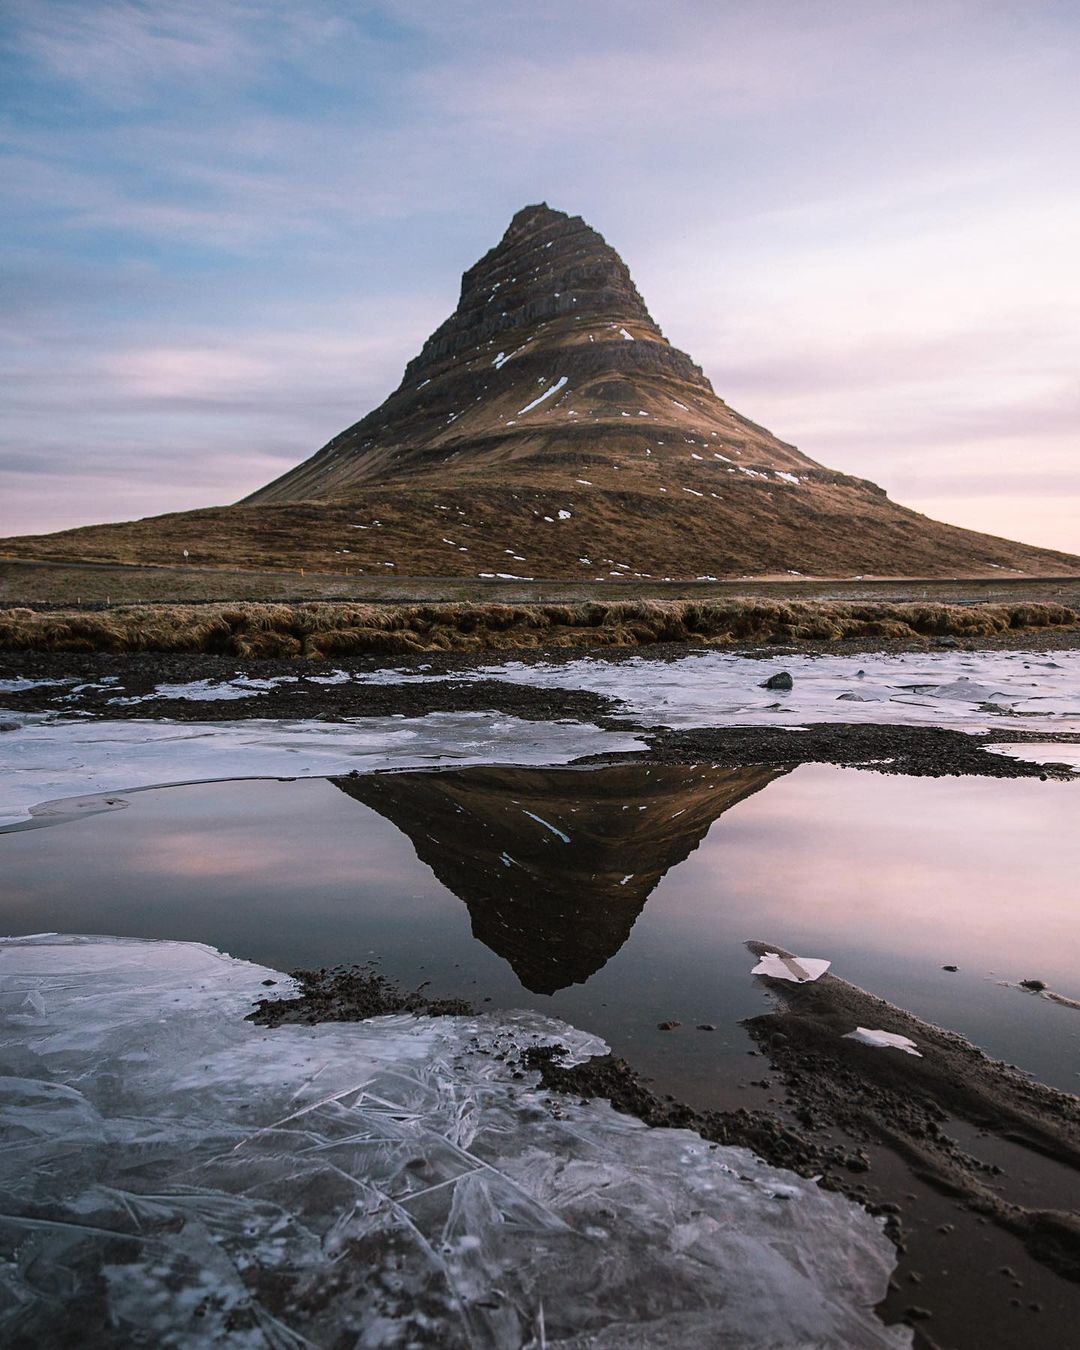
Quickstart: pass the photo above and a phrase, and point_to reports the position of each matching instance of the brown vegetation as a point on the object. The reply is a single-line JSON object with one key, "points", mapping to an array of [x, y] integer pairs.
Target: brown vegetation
{"points": [[321, 630]]}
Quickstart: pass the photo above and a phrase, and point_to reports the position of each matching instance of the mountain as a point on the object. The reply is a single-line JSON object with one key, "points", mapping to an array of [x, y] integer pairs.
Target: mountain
{"points": [[549, 429], [555, 865]]}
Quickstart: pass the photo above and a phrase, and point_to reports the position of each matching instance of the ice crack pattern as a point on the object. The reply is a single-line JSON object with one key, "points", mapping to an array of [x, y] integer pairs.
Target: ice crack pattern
{"points": [[198, 1179]]}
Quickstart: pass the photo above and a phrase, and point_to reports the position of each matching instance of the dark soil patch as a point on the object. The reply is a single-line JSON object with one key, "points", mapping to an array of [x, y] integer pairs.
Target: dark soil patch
{"points": [[351, 994], [613, 1079], [917, 751]]}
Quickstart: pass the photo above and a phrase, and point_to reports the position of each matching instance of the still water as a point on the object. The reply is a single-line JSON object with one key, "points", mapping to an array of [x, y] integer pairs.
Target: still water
{"points": [[614, 897]]}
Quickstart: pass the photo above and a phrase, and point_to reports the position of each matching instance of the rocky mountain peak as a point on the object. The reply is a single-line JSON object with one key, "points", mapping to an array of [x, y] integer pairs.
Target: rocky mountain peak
{"points": [[547, 266]]}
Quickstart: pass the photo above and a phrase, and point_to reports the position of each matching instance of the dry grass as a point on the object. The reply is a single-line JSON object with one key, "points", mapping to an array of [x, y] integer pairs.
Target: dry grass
{"points": [[320, 630]]}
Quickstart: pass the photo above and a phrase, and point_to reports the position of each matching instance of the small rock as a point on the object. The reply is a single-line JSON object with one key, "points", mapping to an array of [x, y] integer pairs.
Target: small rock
{"points": [[667, 1026], [952, 968], [781, 680], [9, 726], [705, 1026], [945, 643], [269, 981], [1036, 986], [918, 1314]]}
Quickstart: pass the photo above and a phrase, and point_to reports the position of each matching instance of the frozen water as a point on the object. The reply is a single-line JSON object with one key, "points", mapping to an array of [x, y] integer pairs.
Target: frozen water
{"points": [[43, 760], [178, 1176], [1045, 752], [17, 686], [798, 969], [209, 691], [970, 691], [884, 1040]]}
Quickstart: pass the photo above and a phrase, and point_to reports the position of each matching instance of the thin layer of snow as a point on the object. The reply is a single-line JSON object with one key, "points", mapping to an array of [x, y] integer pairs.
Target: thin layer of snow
{"points": [[44, 761], [16, 686], [193, 1179], [787, 477], [211, 691], [629, 337], [546, 394]]}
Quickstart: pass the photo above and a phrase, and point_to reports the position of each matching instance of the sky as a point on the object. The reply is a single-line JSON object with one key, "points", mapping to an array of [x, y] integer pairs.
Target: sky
{"points": [[229, 223]]}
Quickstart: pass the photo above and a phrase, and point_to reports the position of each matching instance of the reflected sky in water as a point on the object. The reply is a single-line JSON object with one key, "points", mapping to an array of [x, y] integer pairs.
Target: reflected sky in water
{"points": [[464, 878]]}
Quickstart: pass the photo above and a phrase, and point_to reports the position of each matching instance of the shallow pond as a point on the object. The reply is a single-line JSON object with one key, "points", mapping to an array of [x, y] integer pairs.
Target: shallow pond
{"points": [[616, 898]]}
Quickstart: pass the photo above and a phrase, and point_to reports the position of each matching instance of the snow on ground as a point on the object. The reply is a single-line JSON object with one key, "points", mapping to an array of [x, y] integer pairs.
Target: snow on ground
{"points": [[189, 1177], [43, 761], [546, 394]]}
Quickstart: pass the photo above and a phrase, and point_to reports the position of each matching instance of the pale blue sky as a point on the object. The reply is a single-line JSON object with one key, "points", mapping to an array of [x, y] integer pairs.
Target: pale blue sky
{"points": [[229, 223]]}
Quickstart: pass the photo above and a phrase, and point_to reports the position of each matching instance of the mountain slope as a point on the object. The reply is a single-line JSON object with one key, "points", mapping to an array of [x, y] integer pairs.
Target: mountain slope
{"points": [[549, 429]]}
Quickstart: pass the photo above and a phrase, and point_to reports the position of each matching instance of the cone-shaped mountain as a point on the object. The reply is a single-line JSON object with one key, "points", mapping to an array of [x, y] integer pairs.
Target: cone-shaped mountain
{"points": [[549, 429]]}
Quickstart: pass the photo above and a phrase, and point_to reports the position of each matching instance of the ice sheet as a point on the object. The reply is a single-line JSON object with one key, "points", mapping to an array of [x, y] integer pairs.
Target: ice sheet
{"points": [[177, 1176], [1042, 752], [43, 760], [971, 691]]}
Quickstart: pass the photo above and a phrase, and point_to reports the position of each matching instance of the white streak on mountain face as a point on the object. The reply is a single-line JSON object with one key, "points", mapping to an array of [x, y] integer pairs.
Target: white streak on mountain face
{"points": [[546, 394], [548, 826]]}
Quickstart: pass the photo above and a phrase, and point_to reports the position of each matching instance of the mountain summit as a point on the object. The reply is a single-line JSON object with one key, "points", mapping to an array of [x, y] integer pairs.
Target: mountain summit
{"points": [[548, 429], [550, 358]]}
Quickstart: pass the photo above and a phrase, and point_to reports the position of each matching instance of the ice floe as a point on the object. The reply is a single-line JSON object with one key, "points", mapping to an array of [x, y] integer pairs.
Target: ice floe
{"points": [[182, 1176], [798, 969], [210, 691], [884, 1040], [43, 760], [1045, 752], [969, 691]]}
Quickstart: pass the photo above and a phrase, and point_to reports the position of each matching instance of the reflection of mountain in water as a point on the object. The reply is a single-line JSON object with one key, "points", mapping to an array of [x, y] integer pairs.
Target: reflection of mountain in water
{"points": [[555, 865]]}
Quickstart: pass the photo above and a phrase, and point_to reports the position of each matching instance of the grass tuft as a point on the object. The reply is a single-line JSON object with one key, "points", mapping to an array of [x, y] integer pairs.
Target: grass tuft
{"points": [[321, 630]]}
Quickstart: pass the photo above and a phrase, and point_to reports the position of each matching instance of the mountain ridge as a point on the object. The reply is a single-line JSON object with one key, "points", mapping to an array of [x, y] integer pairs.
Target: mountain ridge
{"points": [[547, 429]]}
